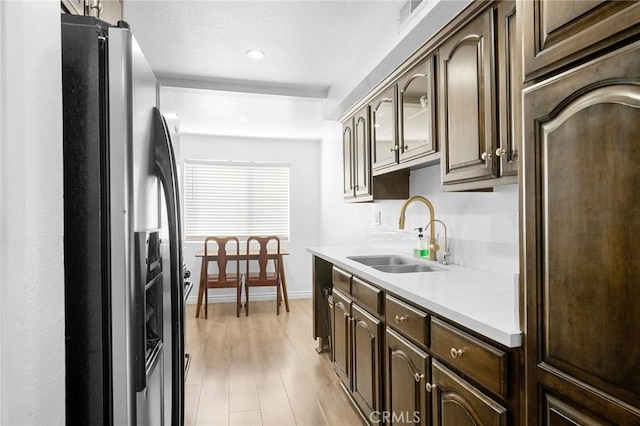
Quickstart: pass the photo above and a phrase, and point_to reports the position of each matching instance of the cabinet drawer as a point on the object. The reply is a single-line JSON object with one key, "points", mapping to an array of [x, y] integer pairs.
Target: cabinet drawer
{"points": [[408, 320], [470, 356], [341, 280], [368, 296]]}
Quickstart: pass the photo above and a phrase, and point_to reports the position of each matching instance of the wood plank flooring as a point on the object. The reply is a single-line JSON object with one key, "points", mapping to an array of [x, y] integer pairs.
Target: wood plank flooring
{"points": [[260, 370]]}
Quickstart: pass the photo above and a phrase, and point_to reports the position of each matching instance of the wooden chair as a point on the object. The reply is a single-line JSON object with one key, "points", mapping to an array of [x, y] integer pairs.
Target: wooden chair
{"points": [[224, 278], [263, 277]]}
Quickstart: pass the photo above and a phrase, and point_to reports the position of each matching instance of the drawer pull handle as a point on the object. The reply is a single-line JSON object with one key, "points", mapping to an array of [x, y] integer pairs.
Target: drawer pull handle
{"points": [[429, 387], [418, 377], [456, 353], [400, 319]]}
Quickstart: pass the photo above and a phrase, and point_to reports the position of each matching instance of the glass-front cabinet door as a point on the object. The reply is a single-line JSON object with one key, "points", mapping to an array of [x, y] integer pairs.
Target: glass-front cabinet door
{"points": [[383, 129], [417, 111]]}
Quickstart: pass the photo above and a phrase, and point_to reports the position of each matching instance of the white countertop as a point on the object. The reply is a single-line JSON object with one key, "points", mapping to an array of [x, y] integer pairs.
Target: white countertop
{"points": [[485, 302]]}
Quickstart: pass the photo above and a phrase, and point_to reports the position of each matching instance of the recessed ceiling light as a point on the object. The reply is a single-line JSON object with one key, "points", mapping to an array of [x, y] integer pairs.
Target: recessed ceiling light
{"points": [[255, 54]]}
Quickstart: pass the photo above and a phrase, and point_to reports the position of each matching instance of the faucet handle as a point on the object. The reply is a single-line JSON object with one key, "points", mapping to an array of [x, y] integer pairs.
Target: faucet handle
{"points": [[445, 257]]}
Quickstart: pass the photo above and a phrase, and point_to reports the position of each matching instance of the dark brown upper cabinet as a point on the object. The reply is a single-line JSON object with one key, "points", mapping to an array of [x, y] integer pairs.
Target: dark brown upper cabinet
{"points": [[362, 153], [384, 139], [562, 33], [479, 101], [509, 89], [417, 111], [467, 102], [358, 183], [347, 159]]}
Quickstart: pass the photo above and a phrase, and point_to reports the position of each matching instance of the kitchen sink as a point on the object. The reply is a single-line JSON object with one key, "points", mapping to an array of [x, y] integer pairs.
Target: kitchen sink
{"points": [[403, 269], [382, 260], [393, 264]]}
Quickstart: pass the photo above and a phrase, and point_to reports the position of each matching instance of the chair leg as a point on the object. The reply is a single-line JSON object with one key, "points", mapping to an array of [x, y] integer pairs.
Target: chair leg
{"points": [[238, 298], [278, 299], [206, 301], [246, 298]]}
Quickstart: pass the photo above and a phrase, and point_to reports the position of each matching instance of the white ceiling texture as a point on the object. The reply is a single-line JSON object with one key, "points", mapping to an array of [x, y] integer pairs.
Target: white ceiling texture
{"points": [[322, 49]]}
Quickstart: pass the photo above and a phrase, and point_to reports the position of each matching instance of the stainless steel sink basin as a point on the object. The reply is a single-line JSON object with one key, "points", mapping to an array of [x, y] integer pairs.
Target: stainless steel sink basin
{"points": [[393, 264], [404, 269], [381, 260]]}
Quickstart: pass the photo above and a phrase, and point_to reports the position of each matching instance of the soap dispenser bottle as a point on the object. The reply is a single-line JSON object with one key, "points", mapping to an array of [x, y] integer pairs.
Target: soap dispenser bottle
{"points": [[421, 246]]}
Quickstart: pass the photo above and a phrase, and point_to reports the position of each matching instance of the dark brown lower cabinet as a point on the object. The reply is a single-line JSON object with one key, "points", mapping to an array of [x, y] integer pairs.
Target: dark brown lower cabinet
{"points": [[407, 378], [456, 402], [341, 322], [366, 332], [357, 348]]}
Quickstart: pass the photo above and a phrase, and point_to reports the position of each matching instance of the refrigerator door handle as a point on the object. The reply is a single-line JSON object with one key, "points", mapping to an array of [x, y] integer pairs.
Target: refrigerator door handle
{"points": [[166, 170]]}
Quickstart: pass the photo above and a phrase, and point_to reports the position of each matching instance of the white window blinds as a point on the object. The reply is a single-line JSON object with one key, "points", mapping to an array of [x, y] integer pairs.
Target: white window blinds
{"points": [[236, 198]]}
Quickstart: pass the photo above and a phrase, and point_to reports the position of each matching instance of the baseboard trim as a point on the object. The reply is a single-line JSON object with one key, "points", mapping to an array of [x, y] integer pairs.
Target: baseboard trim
{"points": [[228, 298]]}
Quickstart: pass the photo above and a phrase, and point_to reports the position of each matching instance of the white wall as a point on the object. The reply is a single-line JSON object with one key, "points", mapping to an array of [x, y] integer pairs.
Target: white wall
{"points": [[341, 222], [302, 156], [32, 368]]}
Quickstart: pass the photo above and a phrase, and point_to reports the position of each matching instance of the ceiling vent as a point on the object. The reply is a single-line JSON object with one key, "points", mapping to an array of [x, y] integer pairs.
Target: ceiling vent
{"points": [[407, 11]]}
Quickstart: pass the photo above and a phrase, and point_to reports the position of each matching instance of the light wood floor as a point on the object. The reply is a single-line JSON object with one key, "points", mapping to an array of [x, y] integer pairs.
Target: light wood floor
{"points": [[260, 370]]}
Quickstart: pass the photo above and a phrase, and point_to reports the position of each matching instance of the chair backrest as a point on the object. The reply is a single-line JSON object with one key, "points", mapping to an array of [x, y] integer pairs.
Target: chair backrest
{"points": [[262, 243], [221, 247]]}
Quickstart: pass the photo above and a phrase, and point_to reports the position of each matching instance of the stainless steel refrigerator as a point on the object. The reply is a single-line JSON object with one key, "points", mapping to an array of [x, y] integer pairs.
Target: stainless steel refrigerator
{"points": [[124, 309]]}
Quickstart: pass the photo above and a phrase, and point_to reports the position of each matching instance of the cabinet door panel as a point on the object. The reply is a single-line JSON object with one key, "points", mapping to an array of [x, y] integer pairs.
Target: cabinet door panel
{"points": [[347, 159], [467, 102], [583, 263], [407, 374], [558, 33], [455, 402], [362, 153], [560, 413], [509, 89], [366, 360], [342, 336]]}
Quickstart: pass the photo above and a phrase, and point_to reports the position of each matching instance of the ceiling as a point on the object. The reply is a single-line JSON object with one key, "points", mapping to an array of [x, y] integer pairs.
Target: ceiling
{"points": [[310, 45]]}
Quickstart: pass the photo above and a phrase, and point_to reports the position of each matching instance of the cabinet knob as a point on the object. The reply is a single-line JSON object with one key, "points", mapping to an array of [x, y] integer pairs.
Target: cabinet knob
{"points": [[418, 376], [429, 387], [485, 156], [456, 353], [394, 149], [400, 319], [500, 152]]}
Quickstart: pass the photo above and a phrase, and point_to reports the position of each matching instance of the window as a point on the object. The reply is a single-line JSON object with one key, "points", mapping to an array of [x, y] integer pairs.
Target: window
{"points": [[236, 198]]}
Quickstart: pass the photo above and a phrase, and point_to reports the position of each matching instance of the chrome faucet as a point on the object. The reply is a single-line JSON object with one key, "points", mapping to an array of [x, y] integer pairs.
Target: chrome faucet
{"points": [[432, 254], [433, 248]]}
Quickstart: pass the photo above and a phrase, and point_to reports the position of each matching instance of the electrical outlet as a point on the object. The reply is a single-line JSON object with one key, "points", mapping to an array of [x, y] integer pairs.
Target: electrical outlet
{"points": [[377, 218]]}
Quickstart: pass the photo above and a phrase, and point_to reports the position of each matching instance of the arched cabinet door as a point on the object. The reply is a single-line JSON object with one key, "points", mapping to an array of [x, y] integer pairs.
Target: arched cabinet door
{"points": [[456, 402], [384, 141], [582, 227], [366, 361], [407, 376], [342, 337], [467, 82], [416, 109], [347, 159]]}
